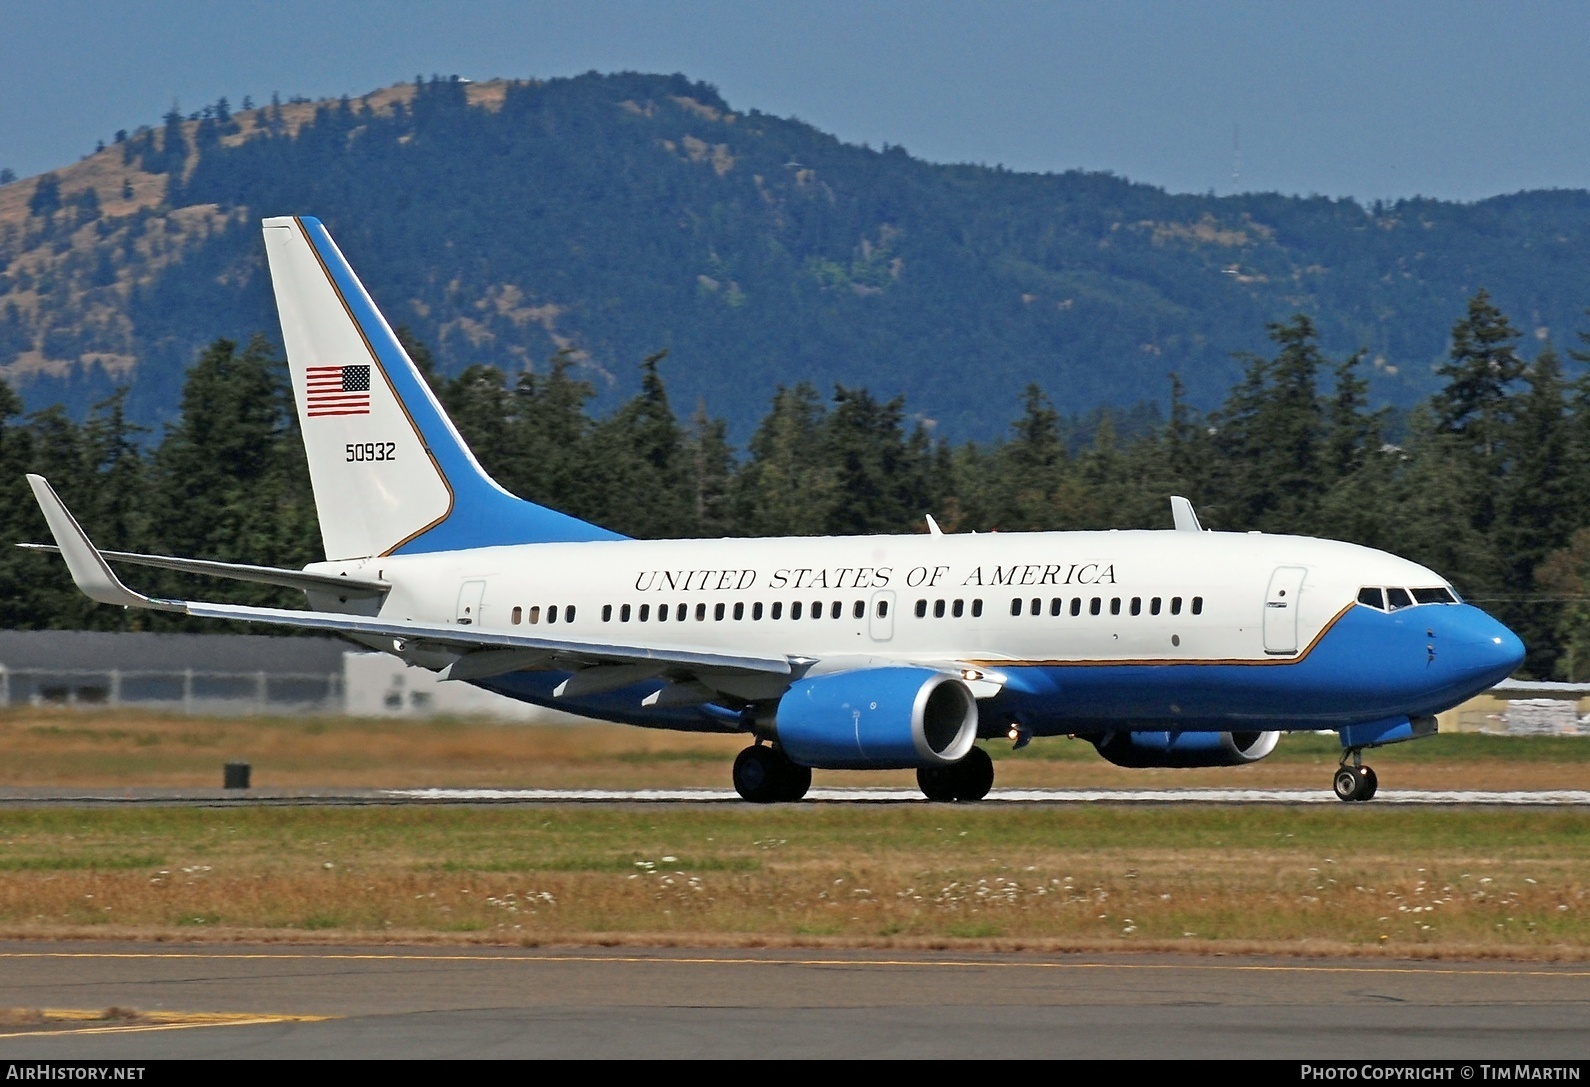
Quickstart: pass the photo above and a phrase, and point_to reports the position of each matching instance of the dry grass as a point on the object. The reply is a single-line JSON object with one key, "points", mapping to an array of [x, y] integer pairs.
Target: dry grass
{"points": [[1513, 882], [120, 748]]}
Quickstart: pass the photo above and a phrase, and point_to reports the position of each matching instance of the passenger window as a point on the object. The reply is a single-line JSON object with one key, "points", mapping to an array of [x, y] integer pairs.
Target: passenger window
{"points": [[795, 610], [1137, 605], [607, 613], [717, 613], [756, 610], [859, 609], [516, 615], [644, 613], [1093, 605], [681, 613], [1035, 607], [1015, 607], [883, 608], [623, 614], [836, 609], [552, 614], [1076, 605], [1115, 605], [958, 608], [568, 613], [662, 613], [1175, 605], [1398, 598], [817, 609], [977, 609], [1153, 606], [701, 613], [739, 610], [1198, 605], [1372, 596], [1056, 606], [778, 609], [535, 614], [938, 609]]}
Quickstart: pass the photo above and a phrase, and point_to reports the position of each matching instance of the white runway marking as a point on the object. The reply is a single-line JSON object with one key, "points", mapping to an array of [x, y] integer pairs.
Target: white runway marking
{"points": [[1019, 796]]}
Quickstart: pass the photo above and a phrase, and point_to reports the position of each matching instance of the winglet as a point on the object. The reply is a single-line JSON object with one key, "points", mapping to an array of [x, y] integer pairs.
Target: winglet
{"points": [[1186, 518], [89, 568]]}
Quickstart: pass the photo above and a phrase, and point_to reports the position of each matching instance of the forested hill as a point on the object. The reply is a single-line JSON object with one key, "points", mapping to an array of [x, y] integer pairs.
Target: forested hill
{"points": [[615, 215]]}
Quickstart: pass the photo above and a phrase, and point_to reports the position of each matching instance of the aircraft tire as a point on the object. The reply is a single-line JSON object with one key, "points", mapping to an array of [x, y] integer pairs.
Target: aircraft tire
{"points": [[1354, 783], [793, 779], [1371, 784], [974, 775], [756, 774], [936, 783]]}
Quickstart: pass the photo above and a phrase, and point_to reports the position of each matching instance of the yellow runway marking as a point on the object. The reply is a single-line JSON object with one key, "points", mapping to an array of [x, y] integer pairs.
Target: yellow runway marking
{"points": [[96, 1023], [678, 960]]}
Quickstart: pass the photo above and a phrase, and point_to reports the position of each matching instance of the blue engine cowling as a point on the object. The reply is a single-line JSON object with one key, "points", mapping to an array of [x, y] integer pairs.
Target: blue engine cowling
{"points": [[1186, 749], [877, 719]]}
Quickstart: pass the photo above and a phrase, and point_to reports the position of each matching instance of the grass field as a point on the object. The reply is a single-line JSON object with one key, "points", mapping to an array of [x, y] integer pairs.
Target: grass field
{"points": [[1513, 882], [1340, 878], [64, 747]]}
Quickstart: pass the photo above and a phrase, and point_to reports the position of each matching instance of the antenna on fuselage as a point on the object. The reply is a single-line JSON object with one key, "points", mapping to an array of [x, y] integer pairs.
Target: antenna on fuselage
{"points": [[1185, 516], [933, 526]]}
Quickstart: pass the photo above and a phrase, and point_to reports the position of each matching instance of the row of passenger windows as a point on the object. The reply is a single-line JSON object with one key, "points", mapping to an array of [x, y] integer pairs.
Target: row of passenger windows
{"points": [[681, 612], [518, 615], [1396, 597], [1095, 606]]}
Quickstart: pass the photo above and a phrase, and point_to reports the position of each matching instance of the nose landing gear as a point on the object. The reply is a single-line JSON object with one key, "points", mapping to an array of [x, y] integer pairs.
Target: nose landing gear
{"points": [[1355, 782]]}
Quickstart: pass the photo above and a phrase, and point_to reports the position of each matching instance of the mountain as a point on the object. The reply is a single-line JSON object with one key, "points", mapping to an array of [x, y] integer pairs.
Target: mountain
{"points": [[613, 215]]}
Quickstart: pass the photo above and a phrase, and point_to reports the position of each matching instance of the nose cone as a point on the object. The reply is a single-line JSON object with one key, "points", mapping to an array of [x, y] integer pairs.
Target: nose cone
{"points": [[1483, 650]]}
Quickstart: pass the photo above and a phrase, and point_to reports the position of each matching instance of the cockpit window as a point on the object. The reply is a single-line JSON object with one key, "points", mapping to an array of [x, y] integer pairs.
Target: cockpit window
{"points": [[1374, 597], [1434, 596], [1399, 598]]}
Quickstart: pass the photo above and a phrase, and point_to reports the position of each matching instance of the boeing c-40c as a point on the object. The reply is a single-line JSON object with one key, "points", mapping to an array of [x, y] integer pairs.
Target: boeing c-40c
{"points": [[1163, 648]]}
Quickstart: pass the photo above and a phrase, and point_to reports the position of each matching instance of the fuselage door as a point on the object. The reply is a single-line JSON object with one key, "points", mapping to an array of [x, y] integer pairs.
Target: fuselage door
{"points": [[1280, 609], [469, 603], [880, 616]]}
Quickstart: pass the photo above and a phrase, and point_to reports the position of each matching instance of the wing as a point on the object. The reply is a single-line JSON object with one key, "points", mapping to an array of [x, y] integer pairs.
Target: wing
{"points": [[460, 652]]}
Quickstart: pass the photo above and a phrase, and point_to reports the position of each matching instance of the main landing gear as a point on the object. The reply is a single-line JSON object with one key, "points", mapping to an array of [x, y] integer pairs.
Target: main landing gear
{"points": [[765, 775], [969, 779], [1355, 782]]}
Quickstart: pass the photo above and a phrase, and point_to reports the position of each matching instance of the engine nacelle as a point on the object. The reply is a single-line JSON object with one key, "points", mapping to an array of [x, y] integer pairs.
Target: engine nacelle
{"points": [[1184, 749], [877, 719]]}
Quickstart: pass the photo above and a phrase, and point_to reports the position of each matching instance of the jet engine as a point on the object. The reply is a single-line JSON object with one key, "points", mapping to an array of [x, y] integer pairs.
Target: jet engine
{"points": [[877, 718], [1141, 749]]}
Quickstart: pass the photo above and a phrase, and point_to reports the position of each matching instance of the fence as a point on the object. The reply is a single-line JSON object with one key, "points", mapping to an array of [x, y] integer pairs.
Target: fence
{"points": [[184, 691]]}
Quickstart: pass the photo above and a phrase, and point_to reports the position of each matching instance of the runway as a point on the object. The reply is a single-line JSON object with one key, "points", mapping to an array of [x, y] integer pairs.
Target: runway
{"points": [[50, 795], [412, 1003]]}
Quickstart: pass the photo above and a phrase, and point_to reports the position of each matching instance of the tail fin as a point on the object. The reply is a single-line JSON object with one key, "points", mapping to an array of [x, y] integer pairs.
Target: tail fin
{"points": [[391, 473]]}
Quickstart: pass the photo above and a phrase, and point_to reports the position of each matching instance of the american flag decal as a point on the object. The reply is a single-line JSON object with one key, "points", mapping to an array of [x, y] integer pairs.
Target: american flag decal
{"points": [[338, 390]]}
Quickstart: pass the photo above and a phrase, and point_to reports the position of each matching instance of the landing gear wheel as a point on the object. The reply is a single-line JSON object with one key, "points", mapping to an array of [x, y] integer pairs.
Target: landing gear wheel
{"points": [[937, 783], [756, 775], [1355, 783], [794, 780], [764, 775], [967, 780]]}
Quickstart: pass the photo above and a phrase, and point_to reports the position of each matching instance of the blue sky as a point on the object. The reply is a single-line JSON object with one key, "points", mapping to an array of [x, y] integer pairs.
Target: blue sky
{"points": [[1460, 100]]}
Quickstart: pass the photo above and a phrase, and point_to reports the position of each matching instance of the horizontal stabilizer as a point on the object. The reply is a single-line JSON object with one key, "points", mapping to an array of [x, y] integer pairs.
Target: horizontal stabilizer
{"points": [[234, 571], [98, 582]]}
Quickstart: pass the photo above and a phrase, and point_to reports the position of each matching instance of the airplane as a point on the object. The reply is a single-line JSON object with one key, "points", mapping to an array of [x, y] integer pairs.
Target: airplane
{"points": [[1164, 648]]}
